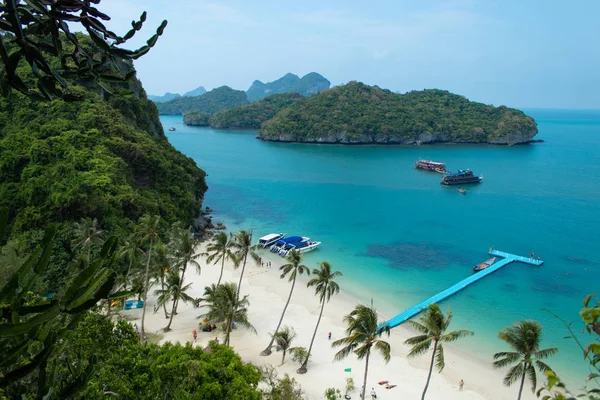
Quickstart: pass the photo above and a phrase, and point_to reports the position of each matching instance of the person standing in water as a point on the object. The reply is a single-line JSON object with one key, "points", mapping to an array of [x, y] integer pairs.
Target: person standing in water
{"points": [[461, 384]]}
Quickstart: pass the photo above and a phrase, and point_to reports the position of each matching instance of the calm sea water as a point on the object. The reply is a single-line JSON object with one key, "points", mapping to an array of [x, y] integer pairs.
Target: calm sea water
{"points": [[399, 236]]}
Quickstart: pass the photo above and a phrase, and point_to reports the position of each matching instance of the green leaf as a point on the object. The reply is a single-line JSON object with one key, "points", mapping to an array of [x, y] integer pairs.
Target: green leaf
{"points": [[7, 330]]}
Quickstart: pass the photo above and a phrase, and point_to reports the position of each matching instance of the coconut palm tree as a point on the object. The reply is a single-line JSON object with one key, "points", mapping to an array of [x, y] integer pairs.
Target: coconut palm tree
{"points": [[173, 291], [432, 327], [147, 231], [363, 332], [243, 245], [160, 267], [87, 232], [184, 247], [524, 338], [283, 340], [293, 268], [219, 249], [226, 309], [131, 251], [325, 287]]}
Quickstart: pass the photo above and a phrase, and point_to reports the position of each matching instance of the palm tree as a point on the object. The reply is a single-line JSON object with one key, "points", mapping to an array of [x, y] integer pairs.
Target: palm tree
{"points": [[173, 291], [226, 309], [147, 230], [284, 339], [184, 247], [87, 232], [433, 327], [325, 287], [131, 251], [524, 338], [243, 244], [363, 331], [293, 268], [219, 249], [160, 267]]}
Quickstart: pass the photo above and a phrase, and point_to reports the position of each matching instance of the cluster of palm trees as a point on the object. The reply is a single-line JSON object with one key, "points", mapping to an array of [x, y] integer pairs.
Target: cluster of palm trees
{"points": [[365, 331]]}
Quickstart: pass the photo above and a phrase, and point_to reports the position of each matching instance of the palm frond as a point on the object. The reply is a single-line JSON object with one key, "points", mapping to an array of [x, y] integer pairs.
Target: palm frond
{"points": [[416, 339], [453, 336], [440, 363], [531, 375], [420, 348], [513, 375], [385, 349]]}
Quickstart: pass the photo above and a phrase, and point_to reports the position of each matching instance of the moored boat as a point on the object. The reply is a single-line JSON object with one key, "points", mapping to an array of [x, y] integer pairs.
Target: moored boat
{"points": [[269, 239], [462, 191], [483, 265], [303, 247], [171, 129], [279, 244], [460, 178], [429, 165]]}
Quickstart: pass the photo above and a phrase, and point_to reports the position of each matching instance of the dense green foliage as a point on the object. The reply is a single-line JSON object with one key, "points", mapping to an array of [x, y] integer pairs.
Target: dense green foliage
{"points": [[102, 157], [357, 113], [196, 118], [309, 85], [212, 102], [251, 116], [114, 362]]}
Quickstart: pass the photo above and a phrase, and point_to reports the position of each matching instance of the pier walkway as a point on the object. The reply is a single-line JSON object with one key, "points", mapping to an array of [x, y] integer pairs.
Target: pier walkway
{"points": [[507, 258]]}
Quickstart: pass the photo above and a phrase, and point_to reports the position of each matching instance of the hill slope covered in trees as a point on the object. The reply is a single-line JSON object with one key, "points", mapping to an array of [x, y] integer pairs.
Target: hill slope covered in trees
{"points": [[309, 85], [357, 113], [251, 116], [212, 102]]}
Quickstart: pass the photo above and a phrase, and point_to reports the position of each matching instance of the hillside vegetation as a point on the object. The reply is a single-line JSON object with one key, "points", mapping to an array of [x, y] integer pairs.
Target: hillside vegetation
{"points": [[308, 85], [251, 116], [212, 102], [357, 113], [196, 118]]}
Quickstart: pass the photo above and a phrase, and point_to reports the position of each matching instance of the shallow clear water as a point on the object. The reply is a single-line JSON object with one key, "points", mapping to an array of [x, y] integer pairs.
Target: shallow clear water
{"points": [[399, 236]]}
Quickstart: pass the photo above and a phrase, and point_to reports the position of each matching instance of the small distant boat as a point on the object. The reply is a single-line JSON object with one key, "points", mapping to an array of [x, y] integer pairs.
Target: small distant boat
{"points": [[429, 165], [460, 178], [462, 191], [269, 239], [483, 265], [171, 129]]}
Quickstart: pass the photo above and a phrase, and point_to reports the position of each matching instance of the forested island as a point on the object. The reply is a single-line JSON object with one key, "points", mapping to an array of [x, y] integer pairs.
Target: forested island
{"points": [[196, 118], [309, 85], [250, 116], [212, 102], [360, 114]]}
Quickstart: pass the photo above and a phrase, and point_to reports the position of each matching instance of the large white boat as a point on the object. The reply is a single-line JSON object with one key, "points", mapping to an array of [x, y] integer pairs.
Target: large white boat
{"points": [[269, 239], [281, 243], [303, 247]]}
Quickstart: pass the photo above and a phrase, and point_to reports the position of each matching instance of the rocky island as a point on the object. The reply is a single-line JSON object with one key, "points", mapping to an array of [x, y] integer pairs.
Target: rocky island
{"points": [[360, 114], [309, 85], [196, 118], [251, 116], [214, 101]]}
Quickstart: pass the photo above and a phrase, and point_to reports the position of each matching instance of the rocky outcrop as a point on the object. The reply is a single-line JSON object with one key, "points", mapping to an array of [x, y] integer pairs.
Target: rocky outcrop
{"points": [[307, 86]]}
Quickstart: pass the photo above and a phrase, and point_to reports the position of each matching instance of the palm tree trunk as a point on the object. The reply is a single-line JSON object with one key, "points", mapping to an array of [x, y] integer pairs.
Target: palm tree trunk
{"points": [[88, 255], [228, 329], [267, 351], [364, 388], [283, 358], [435, 344], [129, 269], [168, 327], [303, 369], [146, 287], [180, 285], [237, 296], [522, 381], [222, 267], [162, 282]]}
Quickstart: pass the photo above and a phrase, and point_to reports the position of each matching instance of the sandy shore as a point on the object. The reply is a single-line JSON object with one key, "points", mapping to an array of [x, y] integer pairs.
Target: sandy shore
{"points": [[268, 294]]}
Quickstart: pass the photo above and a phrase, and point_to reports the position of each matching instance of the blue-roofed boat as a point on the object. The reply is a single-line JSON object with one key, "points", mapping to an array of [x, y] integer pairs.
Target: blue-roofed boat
{"points": [[278, 245], [269, 239], [303, 247]]}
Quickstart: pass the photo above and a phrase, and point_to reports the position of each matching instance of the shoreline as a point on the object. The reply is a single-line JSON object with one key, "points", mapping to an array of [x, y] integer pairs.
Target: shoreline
{"points": [[267, 295]]}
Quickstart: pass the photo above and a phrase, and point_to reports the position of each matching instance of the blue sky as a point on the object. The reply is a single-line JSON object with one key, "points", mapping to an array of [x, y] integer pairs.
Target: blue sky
{"points": [[526, 53]]}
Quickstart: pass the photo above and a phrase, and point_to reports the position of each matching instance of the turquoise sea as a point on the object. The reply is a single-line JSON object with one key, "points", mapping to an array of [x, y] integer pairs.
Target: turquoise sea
{"points": [[399, 236]]}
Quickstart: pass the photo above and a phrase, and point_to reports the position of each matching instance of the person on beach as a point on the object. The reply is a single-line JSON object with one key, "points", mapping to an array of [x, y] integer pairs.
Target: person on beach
{"points": [[195, 334], [329, 336], [461, 384], [373, 394]]}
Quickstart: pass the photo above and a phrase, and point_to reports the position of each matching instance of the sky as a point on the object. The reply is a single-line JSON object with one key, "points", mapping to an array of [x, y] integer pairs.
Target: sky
{"points": [[519, 53]]}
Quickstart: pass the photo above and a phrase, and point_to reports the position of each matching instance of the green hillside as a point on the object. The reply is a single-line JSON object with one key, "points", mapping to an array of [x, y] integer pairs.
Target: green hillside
{"points": [[251, 116], [196, 118], [357, 113], [212, 102]]}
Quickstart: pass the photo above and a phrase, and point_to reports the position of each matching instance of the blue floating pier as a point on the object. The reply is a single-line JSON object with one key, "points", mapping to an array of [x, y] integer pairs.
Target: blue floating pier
{"points": [[507, 258]]}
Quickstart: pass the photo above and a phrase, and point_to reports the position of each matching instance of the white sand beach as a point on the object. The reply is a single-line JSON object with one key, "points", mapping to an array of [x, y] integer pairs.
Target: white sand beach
{"points": [[267, 296]]}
